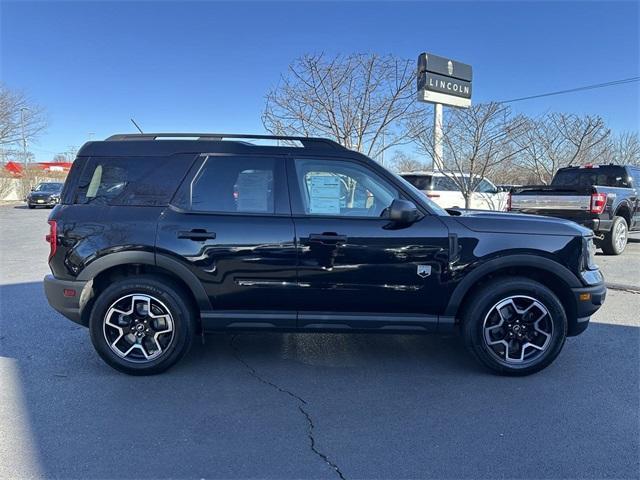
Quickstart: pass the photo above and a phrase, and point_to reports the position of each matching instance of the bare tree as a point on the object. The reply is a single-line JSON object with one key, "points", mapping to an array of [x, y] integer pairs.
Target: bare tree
{"points": [[359, 100], [16, 112], [558, 140], [403, 162], [476, 141], [624, 149]]}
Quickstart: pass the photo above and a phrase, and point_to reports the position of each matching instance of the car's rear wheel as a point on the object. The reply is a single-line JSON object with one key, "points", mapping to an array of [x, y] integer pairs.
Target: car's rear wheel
{"points": [[515, 326], [615, 240], [141, 325]]}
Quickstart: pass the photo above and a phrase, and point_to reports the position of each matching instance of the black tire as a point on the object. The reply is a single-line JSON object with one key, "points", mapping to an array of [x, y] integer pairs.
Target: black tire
{"points": [[31, 206], [481, 309], [612, 244], [165, 295]]}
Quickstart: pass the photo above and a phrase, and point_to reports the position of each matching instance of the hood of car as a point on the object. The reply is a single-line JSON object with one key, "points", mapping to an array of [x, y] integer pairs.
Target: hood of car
{"points": [[505, 222], [43, 194]]}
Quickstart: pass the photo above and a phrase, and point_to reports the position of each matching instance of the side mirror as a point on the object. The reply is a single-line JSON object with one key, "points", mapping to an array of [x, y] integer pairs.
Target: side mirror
{"points": [[403, 212]]}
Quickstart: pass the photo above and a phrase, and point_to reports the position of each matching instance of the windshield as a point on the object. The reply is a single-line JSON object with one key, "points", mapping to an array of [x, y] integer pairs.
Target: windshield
{"points": [[607, 176], [48, 187], [437, 209]]}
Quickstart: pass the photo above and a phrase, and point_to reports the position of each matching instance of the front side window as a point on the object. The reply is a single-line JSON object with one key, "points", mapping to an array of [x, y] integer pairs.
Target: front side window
{"points": [[343, 188], [234, 185], [485, 186]]}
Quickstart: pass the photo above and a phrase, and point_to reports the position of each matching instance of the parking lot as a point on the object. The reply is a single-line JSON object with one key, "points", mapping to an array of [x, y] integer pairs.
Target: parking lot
{"points": [[312, 406]]}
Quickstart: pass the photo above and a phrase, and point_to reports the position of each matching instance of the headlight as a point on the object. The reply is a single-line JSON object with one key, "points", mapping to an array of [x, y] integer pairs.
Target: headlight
{"points": [[588, 254]]}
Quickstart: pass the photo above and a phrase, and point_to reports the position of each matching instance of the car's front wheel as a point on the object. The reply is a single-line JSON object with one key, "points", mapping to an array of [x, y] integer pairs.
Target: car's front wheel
{"points": [[141, 325], [515, 326]]}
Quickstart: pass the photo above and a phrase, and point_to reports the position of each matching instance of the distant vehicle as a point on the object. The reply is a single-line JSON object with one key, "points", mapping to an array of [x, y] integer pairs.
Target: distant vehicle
{"points": [[604, 198], [45, 194], [443, 190], [155, 240]]}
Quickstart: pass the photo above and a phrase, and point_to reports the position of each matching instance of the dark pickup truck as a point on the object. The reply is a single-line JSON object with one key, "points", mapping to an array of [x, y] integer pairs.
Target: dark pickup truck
{"points": [[604, 198]]}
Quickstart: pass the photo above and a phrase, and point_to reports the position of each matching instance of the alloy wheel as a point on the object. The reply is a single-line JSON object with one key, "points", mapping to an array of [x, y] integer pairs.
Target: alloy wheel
{"points": [[620, 236], [517, 329], [138, 328]]}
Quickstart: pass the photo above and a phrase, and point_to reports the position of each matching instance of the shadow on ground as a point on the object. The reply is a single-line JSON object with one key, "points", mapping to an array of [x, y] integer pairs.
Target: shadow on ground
{"points": [[379, 406]]}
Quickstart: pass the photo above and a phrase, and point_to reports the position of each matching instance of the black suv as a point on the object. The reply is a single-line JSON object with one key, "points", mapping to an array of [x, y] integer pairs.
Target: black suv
{"points": [[162, 236]]}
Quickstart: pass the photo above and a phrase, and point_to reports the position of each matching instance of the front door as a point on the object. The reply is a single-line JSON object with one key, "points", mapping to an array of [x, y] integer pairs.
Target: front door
{"points": [[356, 269], [231, 224]]}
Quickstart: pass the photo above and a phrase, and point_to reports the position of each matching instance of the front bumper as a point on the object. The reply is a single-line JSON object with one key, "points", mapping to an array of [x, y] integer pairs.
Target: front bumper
{"points": [[59, 296], [42, 201], [588, 301]]}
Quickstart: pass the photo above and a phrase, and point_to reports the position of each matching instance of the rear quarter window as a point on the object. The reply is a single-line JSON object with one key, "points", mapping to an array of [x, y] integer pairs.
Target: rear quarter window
{"points": [[137, 181]]}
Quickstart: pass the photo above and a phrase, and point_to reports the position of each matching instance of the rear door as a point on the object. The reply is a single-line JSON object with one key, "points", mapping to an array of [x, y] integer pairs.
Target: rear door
{"points": [[355, 268], [230, 223]]}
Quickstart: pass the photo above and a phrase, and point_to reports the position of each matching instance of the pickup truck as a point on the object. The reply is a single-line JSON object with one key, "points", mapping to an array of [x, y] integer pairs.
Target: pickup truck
{"points": [[604, 198]]}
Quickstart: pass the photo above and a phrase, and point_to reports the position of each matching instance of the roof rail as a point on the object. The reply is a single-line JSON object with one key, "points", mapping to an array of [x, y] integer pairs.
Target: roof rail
{"points": [[305, 141]]}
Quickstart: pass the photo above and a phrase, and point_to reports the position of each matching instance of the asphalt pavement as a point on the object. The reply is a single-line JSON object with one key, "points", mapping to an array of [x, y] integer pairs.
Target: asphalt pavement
{"points": [[308, 406]]}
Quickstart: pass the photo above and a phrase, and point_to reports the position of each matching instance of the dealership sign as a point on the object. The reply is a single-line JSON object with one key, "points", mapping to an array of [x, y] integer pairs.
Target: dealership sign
{"points": [[444, 81]]}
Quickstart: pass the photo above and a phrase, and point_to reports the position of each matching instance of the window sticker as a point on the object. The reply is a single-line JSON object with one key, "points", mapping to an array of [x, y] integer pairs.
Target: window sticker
{"points": [[324, 194], [252, 190]]}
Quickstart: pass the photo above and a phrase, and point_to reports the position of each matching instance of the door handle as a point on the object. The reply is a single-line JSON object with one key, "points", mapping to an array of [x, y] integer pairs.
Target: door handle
{"points": [[198, 234], [328, 238]]}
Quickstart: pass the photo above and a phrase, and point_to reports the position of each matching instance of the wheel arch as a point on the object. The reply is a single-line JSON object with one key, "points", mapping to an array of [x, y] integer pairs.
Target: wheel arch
{"points": [[624, 210], [101, 272], [543, 270]]}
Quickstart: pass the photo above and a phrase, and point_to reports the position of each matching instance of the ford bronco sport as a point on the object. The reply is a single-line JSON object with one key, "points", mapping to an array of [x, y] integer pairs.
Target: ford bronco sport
{"points": [[159, 237]]}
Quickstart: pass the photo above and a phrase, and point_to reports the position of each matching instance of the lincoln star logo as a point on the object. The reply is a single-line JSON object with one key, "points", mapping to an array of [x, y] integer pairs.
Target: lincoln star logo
{"points": [[424, 271], [450, 67]]}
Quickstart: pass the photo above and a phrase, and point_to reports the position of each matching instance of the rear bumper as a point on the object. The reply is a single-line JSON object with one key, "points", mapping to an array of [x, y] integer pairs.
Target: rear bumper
{"points": [[69, 306], [598, 225], [588, 301]]}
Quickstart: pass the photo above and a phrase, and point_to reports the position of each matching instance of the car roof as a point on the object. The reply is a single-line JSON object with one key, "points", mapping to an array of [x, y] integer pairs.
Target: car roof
{"points": [[164, 144], [425, 173]]}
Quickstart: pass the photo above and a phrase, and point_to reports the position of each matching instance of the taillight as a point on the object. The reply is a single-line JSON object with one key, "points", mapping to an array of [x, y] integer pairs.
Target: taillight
{"points": [[52, 238], [433, 195], [509, 202], [598, 202]]}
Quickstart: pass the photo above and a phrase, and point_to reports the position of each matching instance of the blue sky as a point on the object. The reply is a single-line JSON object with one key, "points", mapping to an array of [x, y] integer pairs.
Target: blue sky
{"points": [[206, 66]]}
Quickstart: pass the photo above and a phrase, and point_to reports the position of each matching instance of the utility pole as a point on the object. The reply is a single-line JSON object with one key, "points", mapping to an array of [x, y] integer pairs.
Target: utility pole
{"points": [[24, 138], [438, 163]]}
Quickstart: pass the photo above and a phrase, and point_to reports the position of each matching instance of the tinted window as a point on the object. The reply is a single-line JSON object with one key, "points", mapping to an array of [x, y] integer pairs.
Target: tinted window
{"points": [[607, 176], [485, 186], [331, 187], [421, 182], [445, 184], [142, 181], [234, 185]]}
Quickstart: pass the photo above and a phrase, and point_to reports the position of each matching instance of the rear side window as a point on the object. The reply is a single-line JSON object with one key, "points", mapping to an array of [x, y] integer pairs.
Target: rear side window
{"points": [[445, 184], [234, 185], [138, 181], [421, 182]]}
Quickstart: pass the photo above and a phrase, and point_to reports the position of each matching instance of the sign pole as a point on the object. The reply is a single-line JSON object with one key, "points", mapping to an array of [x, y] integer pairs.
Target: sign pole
{"points": [[438, 164]]}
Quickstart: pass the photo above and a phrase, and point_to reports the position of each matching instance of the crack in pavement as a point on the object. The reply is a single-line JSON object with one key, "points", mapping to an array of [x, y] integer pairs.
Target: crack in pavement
{"points": [[301, 403], [621, 287]]}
